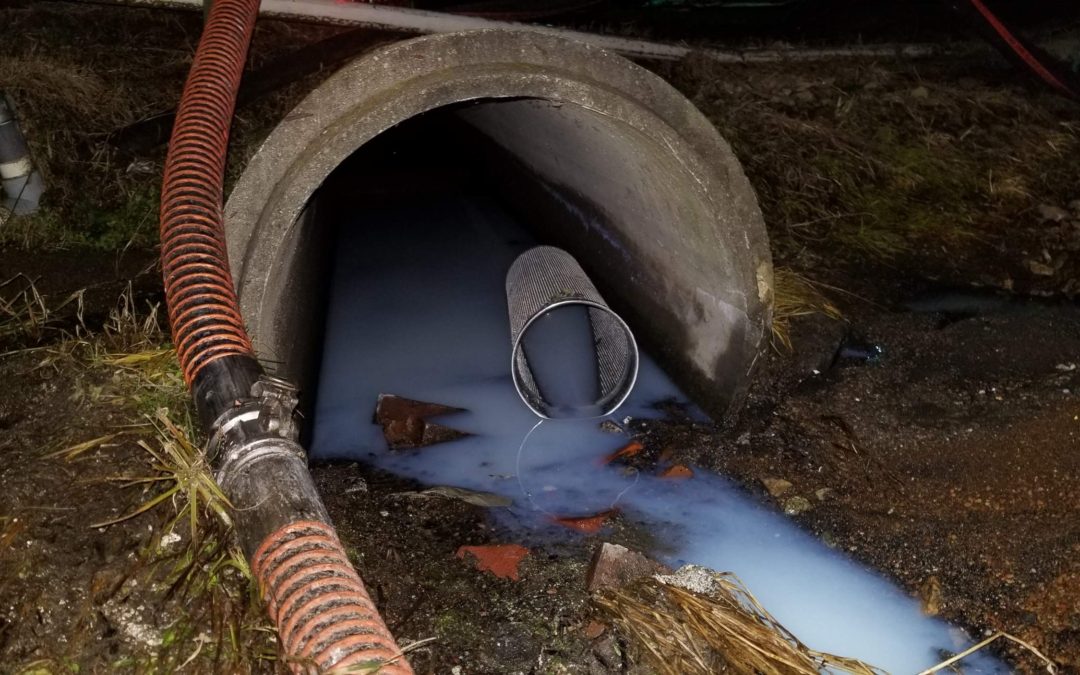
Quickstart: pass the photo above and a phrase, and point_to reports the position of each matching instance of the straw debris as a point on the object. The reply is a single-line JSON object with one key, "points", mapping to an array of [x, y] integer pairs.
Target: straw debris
{"points": [[796, 295], [701, 622]]}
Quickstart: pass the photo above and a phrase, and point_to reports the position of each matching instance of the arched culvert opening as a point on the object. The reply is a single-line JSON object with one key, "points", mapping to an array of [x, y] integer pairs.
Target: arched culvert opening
{"points": [[589, 151]]}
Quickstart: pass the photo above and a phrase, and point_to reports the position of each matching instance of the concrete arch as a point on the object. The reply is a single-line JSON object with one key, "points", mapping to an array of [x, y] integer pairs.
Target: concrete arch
{"points": [[614, 163]]}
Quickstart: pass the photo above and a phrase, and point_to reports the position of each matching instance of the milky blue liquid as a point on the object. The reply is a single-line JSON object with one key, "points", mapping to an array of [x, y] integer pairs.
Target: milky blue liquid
{"points": [[561, 353], [418, 309]]}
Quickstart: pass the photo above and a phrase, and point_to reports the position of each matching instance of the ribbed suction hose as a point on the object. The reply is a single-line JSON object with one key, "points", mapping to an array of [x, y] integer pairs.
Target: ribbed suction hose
{"points": [[203, 309], [324, 616]]}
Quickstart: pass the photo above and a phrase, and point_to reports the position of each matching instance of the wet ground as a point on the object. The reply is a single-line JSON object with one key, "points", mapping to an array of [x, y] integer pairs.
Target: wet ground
{"points": [[947, 461], [948, 464]]}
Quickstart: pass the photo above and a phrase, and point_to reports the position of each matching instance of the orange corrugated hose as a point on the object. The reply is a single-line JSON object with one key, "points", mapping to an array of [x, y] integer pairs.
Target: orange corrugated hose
{"points": [[324, 616], [203, 308]]}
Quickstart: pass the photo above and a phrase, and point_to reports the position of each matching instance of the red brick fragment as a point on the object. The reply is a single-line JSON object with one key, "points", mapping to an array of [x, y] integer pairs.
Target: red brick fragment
{"points": [[502, 560], [677, 472], [405, 425], [587, 524], [629, 450]]}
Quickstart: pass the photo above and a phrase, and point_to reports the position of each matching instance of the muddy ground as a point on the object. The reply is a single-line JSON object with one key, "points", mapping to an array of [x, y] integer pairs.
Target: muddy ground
{"points": [[928, 203]]}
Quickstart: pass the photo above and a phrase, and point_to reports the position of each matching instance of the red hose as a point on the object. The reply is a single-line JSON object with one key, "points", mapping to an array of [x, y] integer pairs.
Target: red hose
{"points": [[1026, 55], [203, 308], [324, 616]]}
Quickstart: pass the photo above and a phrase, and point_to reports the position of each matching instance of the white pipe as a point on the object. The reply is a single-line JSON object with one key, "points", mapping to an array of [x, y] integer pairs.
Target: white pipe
{"points": [[422, 21]]}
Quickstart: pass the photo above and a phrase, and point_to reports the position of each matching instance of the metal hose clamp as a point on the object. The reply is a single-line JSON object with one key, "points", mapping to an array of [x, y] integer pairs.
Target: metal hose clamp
{"points": [[264, 425]]}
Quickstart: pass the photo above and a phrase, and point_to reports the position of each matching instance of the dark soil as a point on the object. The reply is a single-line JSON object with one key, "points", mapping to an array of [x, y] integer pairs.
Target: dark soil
{"points": [[949, 462], [78, 598]]}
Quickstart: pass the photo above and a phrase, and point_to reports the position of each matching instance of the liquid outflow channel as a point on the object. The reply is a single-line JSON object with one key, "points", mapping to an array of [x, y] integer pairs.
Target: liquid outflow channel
{"points": [[417, 309]]}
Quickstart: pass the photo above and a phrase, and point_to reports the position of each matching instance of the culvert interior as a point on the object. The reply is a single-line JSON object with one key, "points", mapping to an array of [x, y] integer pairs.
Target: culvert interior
{"points": [[582, 149]]}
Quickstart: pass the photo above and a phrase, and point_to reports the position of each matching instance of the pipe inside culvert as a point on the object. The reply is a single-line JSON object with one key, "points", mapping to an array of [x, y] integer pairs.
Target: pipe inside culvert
{"points": [[572, 357], [592, 153]]}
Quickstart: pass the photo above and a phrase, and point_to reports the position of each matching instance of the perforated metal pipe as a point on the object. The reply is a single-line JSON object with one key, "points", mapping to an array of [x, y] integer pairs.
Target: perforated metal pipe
{"points": [[544, 280]]}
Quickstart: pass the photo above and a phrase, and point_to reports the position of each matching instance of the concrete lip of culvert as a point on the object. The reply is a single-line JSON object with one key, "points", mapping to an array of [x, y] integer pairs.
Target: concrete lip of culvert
{"points": [[610, 161]]}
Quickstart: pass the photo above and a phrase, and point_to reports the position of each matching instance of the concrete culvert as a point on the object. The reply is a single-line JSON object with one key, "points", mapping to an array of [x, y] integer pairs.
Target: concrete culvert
{"points": [[599, 157]]}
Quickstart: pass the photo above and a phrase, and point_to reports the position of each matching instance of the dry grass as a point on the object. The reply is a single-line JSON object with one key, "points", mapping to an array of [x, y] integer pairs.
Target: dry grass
{"points": [[125, 369], [77, 73], [25, 314], [951, 662], [66, 110], [793, 296], [181, 469], [682, 632], [699, 622], [881, 163], [203, 577]]}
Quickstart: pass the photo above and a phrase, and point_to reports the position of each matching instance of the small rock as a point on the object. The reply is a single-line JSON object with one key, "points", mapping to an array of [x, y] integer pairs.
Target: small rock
{"points": [[823, 493], [168, 539], [793, 506], [804, 97], [1038, 268], [608, 655], [930, 596], [105, 584], [614, 566], [357, 485], [611, 427], [594, 630], [1049, 212], [693, 578], [743, 439], [776, 486], [920, 92]]}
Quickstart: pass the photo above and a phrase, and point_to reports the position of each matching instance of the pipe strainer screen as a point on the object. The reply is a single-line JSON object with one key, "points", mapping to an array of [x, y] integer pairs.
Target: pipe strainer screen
{"points": [[572, 356]]}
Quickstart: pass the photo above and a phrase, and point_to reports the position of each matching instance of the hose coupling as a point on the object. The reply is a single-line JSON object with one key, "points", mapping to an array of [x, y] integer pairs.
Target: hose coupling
{"points": [[262, 426]]}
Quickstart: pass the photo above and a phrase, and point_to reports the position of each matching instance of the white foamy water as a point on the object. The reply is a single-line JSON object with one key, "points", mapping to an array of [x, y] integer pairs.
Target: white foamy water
{"points": [[417, 309]]}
